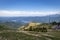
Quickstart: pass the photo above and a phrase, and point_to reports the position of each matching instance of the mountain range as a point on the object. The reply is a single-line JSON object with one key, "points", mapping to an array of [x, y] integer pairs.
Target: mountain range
{"points": [[19, 21], [52, 18]]}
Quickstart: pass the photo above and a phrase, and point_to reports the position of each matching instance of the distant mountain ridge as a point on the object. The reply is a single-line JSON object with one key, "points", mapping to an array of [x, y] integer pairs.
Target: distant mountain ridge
{"points": [[19, 21], [42, 19]]}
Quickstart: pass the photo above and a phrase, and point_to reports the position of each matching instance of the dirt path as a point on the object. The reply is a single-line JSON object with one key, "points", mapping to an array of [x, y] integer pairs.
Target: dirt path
{"points": [[38, 35], [46, 36], [26, 32]]}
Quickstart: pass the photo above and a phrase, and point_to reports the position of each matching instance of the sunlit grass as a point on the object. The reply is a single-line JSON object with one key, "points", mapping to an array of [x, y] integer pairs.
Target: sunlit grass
{"points": [[18, 36]]}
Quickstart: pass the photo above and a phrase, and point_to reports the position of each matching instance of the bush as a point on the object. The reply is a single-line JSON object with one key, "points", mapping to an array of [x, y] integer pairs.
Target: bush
{"points": [[30, 29], [38, 29], [44, 29]]}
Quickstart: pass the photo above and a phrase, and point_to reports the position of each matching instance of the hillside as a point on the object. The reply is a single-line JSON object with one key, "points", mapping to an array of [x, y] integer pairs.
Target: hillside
{"points": [[23, 36], [12, 24], [4, 27]]}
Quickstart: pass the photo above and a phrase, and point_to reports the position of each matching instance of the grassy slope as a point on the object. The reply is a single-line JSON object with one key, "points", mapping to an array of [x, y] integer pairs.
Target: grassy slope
{"points": [[51, 35], [22, 36], [18, 36]]}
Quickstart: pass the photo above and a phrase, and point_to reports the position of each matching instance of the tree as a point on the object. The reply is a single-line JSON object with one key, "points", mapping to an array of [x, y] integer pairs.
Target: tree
{"points": [[54, 23], [44, 29], [30, 28]]}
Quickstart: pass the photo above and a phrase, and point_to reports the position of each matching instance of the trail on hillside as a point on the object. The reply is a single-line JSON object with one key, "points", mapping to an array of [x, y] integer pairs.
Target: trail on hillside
{"points": [[46, 36], [26, 32]]}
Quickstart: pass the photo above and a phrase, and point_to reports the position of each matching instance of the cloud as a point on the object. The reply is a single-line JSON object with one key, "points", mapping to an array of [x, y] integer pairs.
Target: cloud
{"points": [[26, 13]]}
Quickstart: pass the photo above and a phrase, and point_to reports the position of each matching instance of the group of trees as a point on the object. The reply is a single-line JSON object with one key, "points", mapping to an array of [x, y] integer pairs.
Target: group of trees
{"points": [[43, 29], [55, 23], [4, 27]]}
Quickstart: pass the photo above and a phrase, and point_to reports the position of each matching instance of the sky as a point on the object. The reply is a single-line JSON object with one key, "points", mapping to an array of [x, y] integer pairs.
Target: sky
{"points": [[29, 7]]}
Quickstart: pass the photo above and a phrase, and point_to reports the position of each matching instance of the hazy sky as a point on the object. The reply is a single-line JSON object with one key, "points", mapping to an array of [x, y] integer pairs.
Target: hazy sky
{"points": [[29, 7]]}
